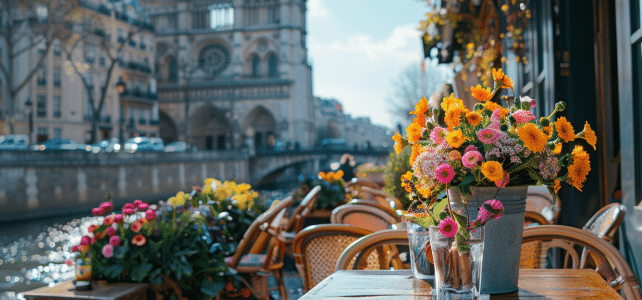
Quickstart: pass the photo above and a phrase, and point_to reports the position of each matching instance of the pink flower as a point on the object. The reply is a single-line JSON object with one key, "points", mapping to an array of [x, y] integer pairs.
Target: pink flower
{"points": [[471, 158], [470, 148], [485, 215], [114, 241], [85, 240], [106, 206], [143, 206], [488, 135], [137, 202], [97, 211], [69, 262], [496, 205], [108, 250], [110, 231], [91, 228], [129, 206], [523, 116], [503, 182], [118, 218], [438, 135], [445, 173], [128, 211], [528, 99], [448, 227], [74, 248], [108, 220], [495, 116], [150, 214]]}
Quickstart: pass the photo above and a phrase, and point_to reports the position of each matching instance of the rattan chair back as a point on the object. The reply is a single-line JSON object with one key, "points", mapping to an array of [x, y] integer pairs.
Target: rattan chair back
{"points": [[364, 216], [610, 263], [317, 248], [305, 207], [372, 193], [383, 242], [605, 221], [532, 218]]}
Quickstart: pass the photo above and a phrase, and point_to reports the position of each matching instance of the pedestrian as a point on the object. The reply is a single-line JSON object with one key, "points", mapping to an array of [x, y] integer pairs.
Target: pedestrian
{"points": [[347, 164]]}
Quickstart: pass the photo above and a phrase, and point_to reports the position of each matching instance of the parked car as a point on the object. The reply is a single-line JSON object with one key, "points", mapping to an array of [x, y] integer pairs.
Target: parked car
{"points": [[14, 142], [62, 145], [144, 144], [107, 145], [176, 147]]}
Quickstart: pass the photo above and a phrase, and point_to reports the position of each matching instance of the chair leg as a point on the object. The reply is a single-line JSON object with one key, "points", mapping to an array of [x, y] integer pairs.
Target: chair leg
{"points": [[278, 274]]}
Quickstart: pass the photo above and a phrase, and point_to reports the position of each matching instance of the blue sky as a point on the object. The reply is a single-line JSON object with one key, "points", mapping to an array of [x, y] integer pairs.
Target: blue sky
{"points": [[358, 47]]}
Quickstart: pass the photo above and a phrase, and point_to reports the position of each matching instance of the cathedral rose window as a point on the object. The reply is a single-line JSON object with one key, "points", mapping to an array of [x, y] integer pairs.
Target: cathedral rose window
{"points": [[213, 59]]}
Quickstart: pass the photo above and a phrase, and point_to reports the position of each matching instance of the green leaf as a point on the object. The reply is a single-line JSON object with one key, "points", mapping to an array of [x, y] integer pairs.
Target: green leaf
{"points": [[535, 176], [121, 251], [212, 289], [464, 186], [113, 271], [439, 206], [461, 220], [139, 272], [423, 221]]}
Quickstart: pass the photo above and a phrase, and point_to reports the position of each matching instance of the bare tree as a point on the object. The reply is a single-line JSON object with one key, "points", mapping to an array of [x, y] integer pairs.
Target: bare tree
{"points": [[408, 89], [113, 53], [27, 25]]}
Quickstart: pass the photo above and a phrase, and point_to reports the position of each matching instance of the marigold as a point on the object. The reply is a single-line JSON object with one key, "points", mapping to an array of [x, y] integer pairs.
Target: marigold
{"points": [[404, 184], [492, 106], [502, 79], [398, 143], [533, 138], [580, 168], [492, 170], [589, 135], [455, 138], [420, 111], [413, 132], [564, 129], [480, 93], [473, 118], [416, 149], [451, 102], [453, 118]]}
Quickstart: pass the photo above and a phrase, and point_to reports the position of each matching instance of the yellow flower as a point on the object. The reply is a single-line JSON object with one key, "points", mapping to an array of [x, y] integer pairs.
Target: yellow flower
{"points": [[453, 118], [480, 93], [416, 149], [589, 135], [564, 129], [455, 138], [492, 106], [179, 199], [408, 177], [451, 102], [548, 129], [492, 170], [558, 148], [580, 168], [473, 118], [398, 143], [420, 111], [425, 192], [557, 186], [502, 79], [337, 175], [533, 138], [413, 132], [321, 175]]}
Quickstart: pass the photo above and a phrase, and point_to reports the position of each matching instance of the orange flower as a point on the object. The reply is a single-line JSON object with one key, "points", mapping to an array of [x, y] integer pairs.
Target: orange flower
{"points": [[136, 226], [589, 135], [398, 143], [473, 118], [557, 186], [558, 149], [408, 177], [451, 103], [413, 132], [455, 138], [139, 240], [453, 118], [492, 106], [480, 93], [416, 149], [492, 170], [502, 79], [420, 111], [533, 138], [337, 175], [565, 129]]}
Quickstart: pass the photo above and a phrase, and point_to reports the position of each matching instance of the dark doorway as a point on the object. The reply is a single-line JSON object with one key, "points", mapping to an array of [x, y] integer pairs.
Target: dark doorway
{"points": [[257, 139], [209, 142], [220, 142]]}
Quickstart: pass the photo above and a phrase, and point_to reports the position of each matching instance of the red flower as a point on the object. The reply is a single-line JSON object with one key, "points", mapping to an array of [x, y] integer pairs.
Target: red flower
{"points": [[106, 206], [74, 248], [139, 240], [118, 218], [136, 226], [128, 211], [110, 231], [229, 287], [85, 240], [114, 241], [97, 211], [150, 214], [137, 202], [246, 293], [143, 206]]}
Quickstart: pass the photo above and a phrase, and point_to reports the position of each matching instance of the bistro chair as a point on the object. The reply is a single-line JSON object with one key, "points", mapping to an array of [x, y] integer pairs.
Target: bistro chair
{"points": [[260, 252], [382, 244], [365, 216], [317, 248], [369, 192], [610, 264], [603, 224], [532, 218], [295, 221]]}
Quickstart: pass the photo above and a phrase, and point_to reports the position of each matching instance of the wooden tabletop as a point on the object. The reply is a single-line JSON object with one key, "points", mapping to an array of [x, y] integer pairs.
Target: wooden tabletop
{"points": [[393, 285], [110, 291]]}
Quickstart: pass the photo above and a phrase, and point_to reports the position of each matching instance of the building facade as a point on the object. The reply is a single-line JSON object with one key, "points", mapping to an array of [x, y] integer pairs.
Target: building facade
{"points": [[233, 74]]}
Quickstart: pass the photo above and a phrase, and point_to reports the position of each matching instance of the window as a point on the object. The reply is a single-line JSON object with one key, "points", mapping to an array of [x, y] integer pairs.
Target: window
{"points": [[42, 134], [56, 48], [273, 13], [172, 68], [221, 15], [41, 46], [56, 76], [199, 19], [213, 59], [42, 76], [121, 35], [251, 13], [256, 63], [172, 20], [272, 66], [90, 53], [41, 106], [57, 133], [42, 13], [56, 106]]}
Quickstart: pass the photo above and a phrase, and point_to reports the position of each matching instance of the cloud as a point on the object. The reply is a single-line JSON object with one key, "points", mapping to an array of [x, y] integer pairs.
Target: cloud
{"points": [[402, 44], [317, 8]]}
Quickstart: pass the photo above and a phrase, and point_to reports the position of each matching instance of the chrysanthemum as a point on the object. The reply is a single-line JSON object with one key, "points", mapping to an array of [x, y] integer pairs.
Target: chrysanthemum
{"points": [[589, 135], [438, 134], [445, 173], [470, 148], [499, 114], [420, 111], [413, 132], [492, 106], [523, 116], [451, 102], [108, 251], [453, 118], [139, 240], [564, 129], [473, 118], [455, 138], [488, 135], [448, 227], [416, 149], [492, 170], [480, 93], [533, 138], [398, 143], [471, 158], [580, 168]]}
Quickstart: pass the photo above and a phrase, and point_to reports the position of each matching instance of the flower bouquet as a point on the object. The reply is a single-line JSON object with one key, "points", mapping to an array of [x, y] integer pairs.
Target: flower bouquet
{"points": [[333, 189], [481, 154]]}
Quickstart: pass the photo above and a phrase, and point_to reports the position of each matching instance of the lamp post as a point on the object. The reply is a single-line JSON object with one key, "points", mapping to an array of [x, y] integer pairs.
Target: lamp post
{"points": [[29, 106], [120, 88]]}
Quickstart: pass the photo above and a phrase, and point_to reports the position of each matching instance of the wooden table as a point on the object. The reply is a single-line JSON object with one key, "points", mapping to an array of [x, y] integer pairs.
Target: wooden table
{"points": [[110, 291], [393, 285]]}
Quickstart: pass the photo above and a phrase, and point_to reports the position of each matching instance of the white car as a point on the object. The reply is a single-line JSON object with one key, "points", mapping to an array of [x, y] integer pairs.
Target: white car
{"points": [[144, 144], [14, 142], [176, 147]]}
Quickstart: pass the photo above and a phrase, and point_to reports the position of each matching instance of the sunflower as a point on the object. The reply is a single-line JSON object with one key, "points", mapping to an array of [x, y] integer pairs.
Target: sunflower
{"points": [[473, 118], [580, 168], [413, 132], [564, 129], [533, 138], [492, 170], [420, 111], [579, 155], [480, 93], [398, 143], [455, 138]]}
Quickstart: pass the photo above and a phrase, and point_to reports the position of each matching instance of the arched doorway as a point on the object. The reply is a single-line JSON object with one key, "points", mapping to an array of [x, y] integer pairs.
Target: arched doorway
{"points": [[209, 129], [263, 125], [167, 128]]}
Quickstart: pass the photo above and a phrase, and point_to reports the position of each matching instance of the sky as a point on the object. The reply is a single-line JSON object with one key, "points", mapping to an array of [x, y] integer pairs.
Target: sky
{"points": [[357, 48]]}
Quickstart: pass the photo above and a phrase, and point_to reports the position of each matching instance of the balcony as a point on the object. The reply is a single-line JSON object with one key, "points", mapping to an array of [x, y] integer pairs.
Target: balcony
{"points": [[154, 122], [137, 67], [139, 97]]}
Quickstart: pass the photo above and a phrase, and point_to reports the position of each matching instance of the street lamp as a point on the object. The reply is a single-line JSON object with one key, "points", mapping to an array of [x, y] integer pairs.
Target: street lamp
{"points": [[120, 88], [29, 106]]}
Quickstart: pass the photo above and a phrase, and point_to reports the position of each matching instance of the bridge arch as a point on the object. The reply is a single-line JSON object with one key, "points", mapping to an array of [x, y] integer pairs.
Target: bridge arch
{"points": [[262, 125], [210, 129]]}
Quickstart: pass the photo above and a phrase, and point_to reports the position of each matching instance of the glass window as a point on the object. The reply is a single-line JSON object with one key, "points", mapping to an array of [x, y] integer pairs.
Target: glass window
{"points": [[56, 48], [272, 65], [221, 15], [172, 20], [172, 74], [636, 15], [56, 106], [41, 106], [42, 12], [90, 53], [42, 76], [56, 76], [57, 133], [256, 63], [273, 13], [199, 19]]}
